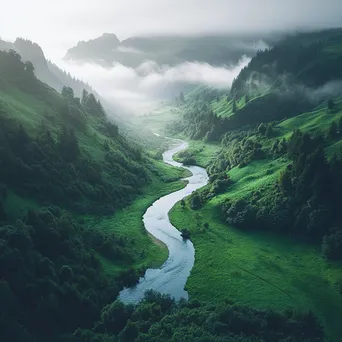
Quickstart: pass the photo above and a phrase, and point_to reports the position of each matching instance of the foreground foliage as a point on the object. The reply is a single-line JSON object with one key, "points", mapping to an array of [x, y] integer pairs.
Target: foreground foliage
{"points": [[158, 318]]}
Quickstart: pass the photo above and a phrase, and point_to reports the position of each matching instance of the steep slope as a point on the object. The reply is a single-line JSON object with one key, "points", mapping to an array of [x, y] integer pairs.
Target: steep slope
{"points": [[267, 229], [297, 75], [45, 70], [65, 170]]}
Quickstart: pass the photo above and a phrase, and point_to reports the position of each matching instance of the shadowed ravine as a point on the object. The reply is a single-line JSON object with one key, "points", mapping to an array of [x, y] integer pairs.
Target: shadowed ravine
{"points": [[171, 277]]}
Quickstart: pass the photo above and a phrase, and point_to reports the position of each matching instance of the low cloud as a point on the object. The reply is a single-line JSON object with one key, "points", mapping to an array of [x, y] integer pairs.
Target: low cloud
{"points": [[128, 49], [136, 89]]}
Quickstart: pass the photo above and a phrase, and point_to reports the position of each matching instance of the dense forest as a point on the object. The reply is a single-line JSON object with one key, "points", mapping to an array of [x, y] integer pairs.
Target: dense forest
{"points": [[275, 179]]}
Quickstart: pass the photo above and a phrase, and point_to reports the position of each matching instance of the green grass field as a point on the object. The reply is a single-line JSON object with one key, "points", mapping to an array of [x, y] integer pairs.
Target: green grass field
{"points": [[259, 269], [203, 152], [311, 121]]}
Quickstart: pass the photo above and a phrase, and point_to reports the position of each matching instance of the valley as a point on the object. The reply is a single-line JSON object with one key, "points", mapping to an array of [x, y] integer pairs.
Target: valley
{"points": [[213, 216]]}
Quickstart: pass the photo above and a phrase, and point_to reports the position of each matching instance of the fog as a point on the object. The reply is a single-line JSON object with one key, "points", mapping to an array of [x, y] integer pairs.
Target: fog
{"points": [[58, 25], [136, 89]]}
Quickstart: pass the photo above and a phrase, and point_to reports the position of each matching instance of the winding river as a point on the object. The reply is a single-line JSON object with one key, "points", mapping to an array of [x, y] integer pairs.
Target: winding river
{"points": [[171, 277]]}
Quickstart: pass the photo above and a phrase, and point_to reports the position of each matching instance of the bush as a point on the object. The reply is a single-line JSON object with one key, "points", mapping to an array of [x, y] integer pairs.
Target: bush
{"points": [[195, 201]]}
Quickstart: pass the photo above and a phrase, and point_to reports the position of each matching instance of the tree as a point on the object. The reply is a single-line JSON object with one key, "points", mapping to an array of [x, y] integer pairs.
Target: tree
{"points": [[181, 97], [129, 333], [262, 129], [269, 131], [29, 68], [185, 234], [234, 107], [195, 201], [246, 98], [182, 203], [332, 130], [331, 105], [84, 97], [68, 93]]}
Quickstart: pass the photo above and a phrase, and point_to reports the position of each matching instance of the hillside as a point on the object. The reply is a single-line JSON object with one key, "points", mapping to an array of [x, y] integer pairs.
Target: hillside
{"points": [[66, 175], [267, 228], [170, 50], [45, 70]]}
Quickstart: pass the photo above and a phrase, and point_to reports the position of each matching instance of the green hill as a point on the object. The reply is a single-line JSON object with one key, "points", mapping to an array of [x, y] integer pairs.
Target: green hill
{"points": [[67, 173], [267, 228]]}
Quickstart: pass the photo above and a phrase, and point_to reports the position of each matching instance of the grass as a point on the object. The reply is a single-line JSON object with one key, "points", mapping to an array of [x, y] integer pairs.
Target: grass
{"points": [[157, 119], [259, 269], [203, 152], [127, 223], [256, 174]]}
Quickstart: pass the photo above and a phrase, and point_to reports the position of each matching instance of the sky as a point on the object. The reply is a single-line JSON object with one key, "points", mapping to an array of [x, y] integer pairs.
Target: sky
{"points": [[58, 25]]}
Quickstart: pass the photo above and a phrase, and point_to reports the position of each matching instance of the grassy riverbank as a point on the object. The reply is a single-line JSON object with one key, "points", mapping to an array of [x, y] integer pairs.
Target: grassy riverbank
{"points": [[128, 225], [202, 153], [259, 269]]}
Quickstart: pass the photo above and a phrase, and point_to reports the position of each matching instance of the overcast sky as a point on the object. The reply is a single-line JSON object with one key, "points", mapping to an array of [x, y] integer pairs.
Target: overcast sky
{"points": [[57, 25]]}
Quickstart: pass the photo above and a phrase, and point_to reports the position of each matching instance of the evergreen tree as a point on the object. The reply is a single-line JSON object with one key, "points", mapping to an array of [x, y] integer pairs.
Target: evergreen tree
{"points": [[331, 105], [234, 106], [29, 68], [333, 130], [84, 97]]}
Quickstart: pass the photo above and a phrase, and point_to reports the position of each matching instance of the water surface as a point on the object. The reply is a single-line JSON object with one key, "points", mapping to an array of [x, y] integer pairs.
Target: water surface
{"points": [[171, 277]]}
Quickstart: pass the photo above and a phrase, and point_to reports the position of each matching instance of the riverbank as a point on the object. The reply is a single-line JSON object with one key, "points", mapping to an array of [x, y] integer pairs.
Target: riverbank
{"points": [[127, 223], [171, 278], [199, 153], [257, 268]]}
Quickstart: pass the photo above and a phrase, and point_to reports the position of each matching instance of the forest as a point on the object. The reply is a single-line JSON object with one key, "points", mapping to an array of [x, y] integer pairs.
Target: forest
{"points": [[275, 179]]}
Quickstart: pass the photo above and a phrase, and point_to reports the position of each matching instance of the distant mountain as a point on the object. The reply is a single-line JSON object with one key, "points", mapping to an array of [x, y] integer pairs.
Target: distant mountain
{"points": [[215, 50], [45, 70]]}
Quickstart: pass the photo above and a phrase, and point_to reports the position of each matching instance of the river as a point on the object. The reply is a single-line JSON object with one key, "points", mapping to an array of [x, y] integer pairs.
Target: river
{"points": [[171, 277]]}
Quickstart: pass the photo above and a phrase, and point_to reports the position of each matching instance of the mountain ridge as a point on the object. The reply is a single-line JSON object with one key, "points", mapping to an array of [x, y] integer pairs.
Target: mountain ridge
{"points": [[168, 49]]}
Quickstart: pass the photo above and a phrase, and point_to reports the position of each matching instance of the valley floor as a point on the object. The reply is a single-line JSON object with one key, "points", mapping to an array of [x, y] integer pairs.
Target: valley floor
{"points": [[257, 268], [127, 223]]}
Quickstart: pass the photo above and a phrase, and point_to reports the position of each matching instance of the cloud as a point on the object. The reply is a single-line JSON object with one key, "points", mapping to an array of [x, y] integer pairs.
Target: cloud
{"points": [[61, 24], [137, 89], [127, 49]]}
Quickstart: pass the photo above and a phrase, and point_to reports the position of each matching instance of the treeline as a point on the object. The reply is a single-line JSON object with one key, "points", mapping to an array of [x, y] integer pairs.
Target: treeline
{"points": [[159, 318], [305, 200]]}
